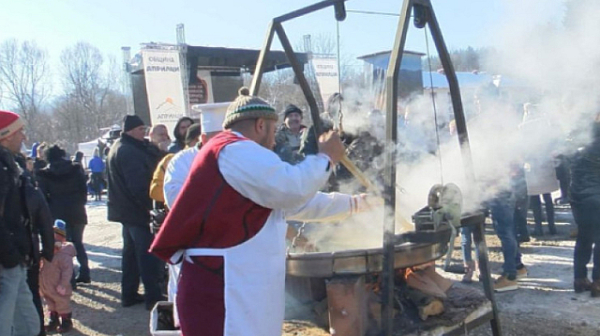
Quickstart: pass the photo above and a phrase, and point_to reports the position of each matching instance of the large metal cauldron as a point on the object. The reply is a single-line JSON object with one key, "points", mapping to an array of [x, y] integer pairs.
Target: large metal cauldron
{"points": [[411, 249]]}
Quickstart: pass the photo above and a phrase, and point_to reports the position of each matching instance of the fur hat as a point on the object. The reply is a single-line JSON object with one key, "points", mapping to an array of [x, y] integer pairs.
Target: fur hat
{"points": [[10, 123], [60, 227], [248, 107], [54, 153]]}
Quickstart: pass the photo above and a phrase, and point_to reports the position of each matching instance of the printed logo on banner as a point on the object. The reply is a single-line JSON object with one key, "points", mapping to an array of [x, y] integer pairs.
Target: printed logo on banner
{"points": [[164, 86]]}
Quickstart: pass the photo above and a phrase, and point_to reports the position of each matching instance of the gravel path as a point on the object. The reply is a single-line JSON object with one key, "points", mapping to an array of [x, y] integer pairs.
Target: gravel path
{"points": [[545, 304]]}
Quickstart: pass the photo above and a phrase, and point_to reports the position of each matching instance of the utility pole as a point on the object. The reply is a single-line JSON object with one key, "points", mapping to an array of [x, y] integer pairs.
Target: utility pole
{"points": [[126, 78], [180, 34], [183, 63]]}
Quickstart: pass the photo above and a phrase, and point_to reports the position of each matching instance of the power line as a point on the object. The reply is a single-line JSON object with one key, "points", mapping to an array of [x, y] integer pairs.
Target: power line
{"points": [[371, 12]]}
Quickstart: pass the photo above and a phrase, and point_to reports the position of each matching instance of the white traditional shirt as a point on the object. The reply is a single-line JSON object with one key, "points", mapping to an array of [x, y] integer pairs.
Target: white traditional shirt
{"points": [[177, 171], [255, 269]]}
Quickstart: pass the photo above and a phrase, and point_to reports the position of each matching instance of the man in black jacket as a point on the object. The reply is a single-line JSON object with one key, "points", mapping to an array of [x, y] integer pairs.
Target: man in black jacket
{"points": [[64, 185], [42, 226], [585, 204], [131, 162], [18, 315]]}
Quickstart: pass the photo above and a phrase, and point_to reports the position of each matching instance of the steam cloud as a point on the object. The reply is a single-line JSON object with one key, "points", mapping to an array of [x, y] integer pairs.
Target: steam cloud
{"points": [[552, 65]]}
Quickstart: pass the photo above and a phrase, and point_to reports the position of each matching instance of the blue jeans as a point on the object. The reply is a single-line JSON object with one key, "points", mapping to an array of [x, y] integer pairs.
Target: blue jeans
{"points": [[503, 209], [18, 316], [466, 242]]}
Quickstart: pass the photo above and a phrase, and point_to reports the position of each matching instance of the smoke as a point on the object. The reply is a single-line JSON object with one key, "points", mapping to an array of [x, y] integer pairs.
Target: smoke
{"points": [[551, 65]]}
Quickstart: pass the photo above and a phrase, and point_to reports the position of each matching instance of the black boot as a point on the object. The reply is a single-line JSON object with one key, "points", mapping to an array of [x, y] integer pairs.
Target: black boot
{"points": [[52, 322], [66, 324]]}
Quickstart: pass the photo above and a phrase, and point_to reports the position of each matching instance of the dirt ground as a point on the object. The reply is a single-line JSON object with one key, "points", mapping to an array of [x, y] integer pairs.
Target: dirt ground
{"points": [[544, 305]]}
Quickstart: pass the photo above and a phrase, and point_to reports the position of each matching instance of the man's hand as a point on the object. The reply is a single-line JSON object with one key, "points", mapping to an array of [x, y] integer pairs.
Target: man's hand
{"points": [[366, 202], [331, 145]]}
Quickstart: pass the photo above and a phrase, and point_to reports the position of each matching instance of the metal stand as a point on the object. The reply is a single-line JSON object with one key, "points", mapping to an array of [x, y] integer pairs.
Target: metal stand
{"points": [[423, 15], [484, 269]]}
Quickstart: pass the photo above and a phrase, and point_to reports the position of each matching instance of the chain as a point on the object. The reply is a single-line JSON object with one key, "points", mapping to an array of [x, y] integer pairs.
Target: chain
{"points": [[300, 231]]}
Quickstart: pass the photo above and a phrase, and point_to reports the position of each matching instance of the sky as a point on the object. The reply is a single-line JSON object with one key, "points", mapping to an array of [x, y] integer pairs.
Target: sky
{"points": [[111, 24]]}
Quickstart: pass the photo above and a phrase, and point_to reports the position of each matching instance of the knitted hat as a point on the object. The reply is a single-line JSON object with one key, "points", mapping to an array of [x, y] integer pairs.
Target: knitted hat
{"points": [[60, 227], [130, 122], [248, 107], [291, 108], [10, 123]]}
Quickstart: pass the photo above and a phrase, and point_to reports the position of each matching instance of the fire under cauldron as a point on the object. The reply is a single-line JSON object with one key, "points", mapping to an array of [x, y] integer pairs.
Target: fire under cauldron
{"points": [[335, 281]]}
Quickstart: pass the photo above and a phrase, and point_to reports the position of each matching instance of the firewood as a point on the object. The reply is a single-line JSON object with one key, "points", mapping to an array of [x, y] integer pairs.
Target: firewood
{"points": [[434, 308], [442, 283], [420, 281], [426, 304]]}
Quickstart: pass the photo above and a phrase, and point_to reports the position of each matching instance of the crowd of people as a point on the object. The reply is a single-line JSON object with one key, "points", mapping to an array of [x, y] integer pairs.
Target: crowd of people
{"points": [[210, 208]]}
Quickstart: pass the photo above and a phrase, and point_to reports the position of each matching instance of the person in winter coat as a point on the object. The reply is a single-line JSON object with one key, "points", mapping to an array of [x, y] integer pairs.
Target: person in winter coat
{"points": [[288, 137], [63, 183], [192, 137], [585, 204], [540, 172], [39, 161], [131, 162], [55, 281], [97, 167], [179, 133], [41, 225], [18, 315]]}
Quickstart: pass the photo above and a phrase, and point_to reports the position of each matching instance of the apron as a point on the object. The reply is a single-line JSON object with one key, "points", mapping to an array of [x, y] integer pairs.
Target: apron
{"points": [[172, 289], [254, 274]]}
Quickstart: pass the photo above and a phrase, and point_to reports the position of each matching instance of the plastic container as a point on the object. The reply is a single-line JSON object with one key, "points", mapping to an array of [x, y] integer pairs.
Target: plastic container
{"points": [[162, 307]]}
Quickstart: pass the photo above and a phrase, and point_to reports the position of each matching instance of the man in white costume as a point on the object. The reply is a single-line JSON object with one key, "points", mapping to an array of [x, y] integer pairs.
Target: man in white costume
{"points": [[228, 223], [211, 121]]}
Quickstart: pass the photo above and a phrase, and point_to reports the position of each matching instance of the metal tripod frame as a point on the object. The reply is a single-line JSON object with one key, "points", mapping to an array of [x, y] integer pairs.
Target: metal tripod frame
{"points": [[276, 27], [425, 15]]}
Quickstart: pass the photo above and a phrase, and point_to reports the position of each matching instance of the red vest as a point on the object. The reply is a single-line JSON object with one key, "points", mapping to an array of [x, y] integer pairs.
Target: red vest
{"points": [[209, 213]]}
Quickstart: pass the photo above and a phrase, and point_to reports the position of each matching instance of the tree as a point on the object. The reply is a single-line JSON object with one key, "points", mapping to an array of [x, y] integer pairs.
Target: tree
{"points": [[91, 98], [468, 59], [23, 77]]}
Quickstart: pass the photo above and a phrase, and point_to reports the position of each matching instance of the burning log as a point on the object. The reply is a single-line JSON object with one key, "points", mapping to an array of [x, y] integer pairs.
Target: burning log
{"points": [[426, 305], [426, 289]]}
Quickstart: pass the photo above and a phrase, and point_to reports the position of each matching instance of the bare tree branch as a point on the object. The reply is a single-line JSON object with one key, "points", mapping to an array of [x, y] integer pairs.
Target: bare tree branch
{"points": [[23, 78]]}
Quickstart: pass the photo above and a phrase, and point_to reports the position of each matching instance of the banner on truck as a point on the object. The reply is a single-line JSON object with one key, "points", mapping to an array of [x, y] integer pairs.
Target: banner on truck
{"points": [[164, 86], [326, 72]]}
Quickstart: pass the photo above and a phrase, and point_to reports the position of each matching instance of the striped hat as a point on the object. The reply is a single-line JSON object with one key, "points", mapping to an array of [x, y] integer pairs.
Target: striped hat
{"points": [[246, 107], [10, 123]]}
